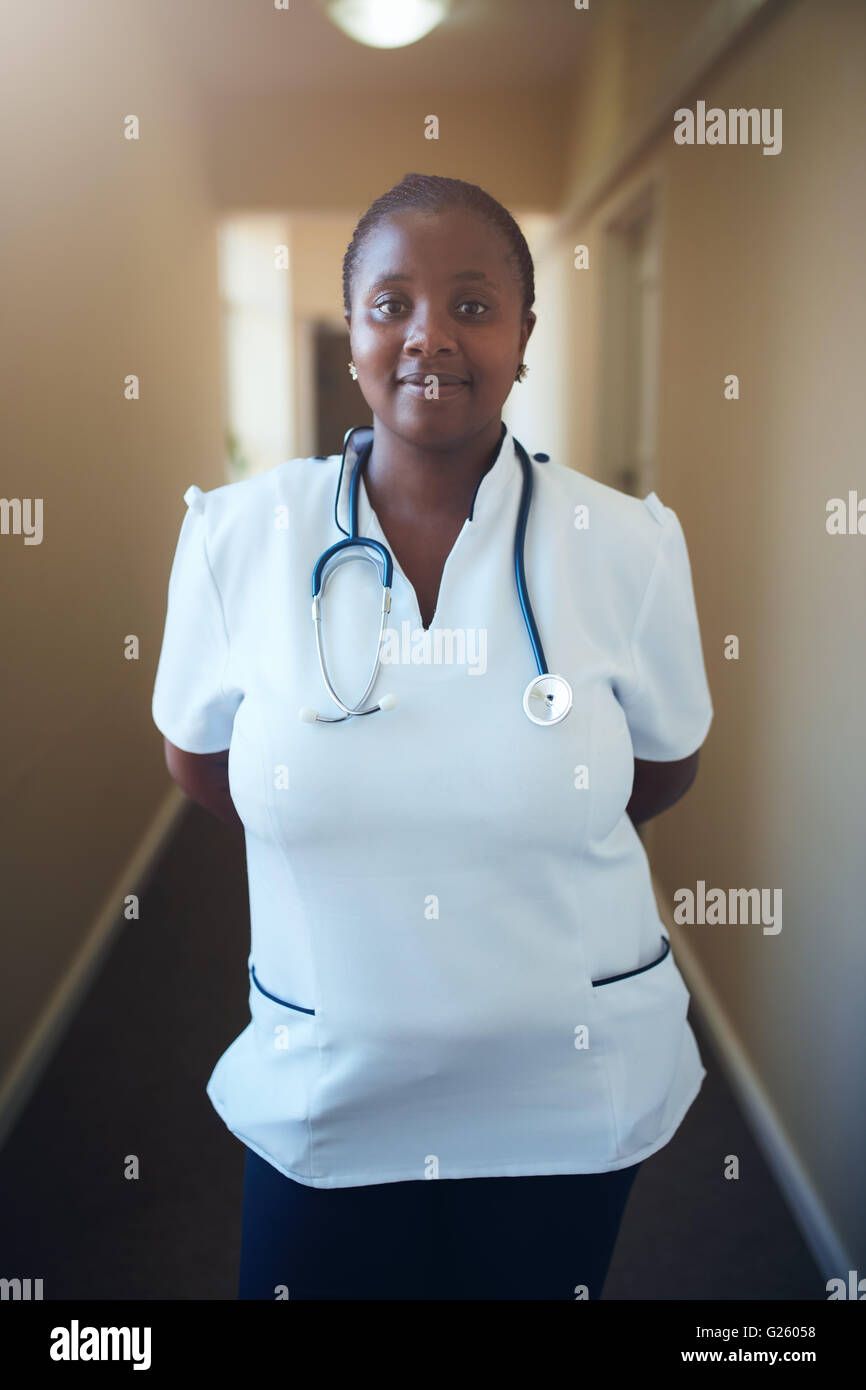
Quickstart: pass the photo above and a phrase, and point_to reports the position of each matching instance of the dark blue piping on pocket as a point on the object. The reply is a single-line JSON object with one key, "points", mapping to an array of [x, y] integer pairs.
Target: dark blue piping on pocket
{"points": [[297, 1007], [609, 979]]}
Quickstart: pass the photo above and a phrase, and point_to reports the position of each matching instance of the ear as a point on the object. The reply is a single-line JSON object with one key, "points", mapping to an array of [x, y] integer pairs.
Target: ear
{"points": [[526, 330]]}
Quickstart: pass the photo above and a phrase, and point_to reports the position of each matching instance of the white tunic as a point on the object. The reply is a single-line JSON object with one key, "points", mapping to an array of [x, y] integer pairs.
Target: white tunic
{"points": [[437, 891]]}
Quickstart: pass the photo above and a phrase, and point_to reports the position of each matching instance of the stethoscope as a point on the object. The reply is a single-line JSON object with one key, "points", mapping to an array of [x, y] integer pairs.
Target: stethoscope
{"points": [[547, 698]]}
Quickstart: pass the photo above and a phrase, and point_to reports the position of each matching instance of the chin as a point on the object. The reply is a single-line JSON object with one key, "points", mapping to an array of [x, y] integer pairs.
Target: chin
{"points": [[433, 431]]}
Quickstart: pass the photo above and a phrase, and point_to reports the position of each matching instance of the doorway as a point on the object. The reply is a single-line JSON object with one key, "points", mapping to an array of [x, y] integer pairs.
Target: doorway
{"points": [[339, 404], [630, 348]]}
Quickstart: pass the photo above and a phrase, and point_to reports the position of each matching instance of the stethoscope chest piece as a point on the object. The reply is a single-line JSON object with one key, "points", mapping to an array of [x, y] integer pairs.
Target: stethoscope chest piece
{"points": [[547, 699]]}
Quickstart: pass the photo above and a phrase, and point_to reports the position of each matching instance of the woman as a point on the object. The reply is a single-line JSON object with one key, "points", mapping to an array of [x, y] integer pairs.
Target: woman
{"points": [[467, 1030]]}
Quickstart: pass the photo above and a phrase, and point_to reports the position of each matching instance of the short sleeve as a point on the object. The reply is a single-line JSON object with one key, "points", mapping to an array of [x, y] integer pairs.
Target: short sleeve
{"points": [[668, 705], [190, 706]]}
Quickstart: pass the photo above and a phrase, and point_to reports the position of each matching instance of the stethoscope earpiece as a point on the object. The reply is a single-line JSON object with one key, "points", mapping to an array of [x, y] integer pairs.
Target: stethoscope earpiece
{"points": [[308, 715]]}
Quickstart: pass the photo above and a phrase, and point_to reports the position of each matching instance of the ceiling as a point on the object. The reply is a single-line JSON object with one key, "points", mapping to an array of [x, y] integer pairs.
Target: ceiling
{"points": [[237, 48]]}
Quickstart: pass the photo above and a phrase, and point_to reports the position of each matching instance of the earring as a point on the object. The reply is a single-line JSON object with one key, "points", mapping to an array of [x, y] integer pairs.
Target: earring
{"points": [[353, 371], [521, 371]]}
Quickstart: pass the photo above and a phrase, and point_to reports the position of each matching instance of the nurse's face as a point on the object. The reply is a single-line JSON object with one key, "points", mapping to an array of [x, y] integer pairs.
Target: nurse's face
{"points": [[435, 294]]}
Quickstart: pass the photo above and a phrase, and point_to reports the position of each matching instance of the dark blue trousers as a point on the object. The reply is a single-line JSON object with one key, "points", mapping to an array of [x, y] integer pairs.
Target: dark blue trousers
{"points": [[460, 1238]]}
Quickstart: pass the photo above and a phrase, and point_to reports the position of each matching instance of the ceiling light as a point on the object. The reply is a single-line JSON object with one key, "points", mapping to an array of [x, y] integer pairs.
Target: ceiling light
{"points": [[386, 23]]}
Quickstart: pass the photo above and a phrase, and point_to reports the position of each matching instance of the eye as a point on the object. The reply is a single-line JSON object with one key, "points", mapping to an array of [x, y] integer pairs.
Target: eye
{"points": [[477, 304], [382, 302]]}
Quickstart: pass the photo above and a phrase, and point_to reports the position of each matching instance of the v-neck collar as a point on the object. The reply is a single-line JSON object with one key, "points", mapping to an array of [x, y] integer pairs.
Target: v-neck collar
{"points": [[491, 492]]}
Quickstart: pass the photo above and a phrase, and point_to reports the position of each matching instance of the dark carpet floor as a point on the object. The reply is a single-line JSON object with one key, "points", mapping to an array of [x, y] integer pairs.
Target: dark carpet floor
{"points": [[129, 1078]]}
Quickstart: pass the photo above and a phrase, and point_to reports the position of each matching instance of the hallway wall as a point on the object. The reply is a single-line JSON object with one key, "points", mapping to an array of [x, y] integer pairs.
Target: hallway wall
{"points": [[763, 276], [108, 255]]}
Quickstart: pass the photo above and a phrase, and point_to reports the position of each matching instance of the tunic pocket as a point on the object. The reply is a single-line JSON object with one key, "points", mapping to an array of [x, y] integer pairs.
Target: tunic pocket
{"points": [[641, 1030], [263, 1085], [275, 997], [628, 974], [285, 1044]]}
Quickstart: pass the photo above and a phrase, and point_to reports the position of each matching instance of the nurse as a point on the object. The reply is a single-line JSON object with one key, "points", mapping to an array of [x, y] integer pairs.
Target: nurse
{"points": [[467, 1029]]}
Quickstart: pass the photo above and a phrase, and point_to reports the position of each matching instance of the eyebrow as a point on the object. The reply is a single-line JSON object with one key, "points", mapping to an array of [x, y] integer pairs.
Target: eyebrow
{"points": [[391, 276]]}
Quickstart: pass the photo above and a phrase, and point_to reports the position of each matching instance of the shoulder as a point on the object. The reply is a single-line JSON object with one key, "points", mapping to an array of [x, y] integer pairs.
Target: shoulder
{"points": [[626, 527], [245, 507]]}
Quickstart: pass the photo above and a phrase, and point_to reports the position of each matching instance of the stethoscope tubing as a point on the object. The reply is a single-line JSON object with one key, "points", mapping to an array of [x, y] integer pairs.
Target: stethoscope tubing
{"points": [[520, 575], [381, 554], [519, 543]]}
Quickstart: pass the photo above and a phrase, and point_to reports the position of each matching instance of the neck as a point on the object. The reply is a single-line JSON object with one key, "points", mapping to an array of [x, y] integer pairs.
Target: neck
{"points": [[410, 482]]}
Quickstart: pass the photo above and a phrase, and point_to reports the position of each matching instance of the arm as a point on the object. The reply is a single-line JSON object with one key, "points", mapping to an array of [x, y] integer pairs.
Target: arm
{"points": [[658, 785], [204, 778]]}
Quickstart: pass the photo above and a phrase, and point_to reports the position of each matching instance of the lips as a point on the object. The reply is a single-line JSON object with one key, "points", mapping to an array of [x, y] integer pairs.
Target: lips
{"points": [[446, 385], [444, 379]]}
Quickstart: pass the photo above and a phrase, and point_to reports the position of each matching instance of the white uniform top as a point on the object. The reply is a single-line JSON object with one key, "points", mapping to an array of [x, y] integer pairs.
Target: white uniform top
{"points": [[439, 893]]}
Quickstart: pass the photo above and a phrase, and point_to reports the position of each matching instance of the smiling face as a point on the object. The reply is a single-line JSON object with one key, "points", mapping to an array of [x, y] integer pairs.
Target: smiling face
{"points": [[435, 294]]}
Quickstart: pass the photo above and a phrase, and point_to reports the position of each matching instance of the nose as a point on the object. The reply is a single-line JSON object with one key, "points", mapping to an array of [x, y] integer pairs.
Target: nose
{"points": [[428, 332]]}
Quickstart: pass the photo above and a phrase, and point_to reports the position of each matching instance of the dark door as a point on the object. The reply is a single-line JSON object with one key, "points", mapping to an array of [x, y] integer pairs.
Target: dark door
{"points": [[339, 403]]}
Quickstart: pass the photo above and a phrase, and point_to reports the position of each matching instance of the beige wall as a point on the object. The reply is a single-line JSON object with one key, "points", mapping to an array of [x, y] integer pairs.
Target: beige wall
{"points": [[108, 258], [278, 151], [763, 276]]}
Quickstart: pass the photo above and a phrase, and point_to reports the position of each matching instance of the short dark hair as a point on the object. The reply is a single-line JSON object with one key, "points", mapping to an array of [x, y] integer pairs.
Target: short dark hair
{"points": [[430, 193]]}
